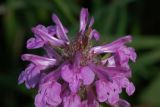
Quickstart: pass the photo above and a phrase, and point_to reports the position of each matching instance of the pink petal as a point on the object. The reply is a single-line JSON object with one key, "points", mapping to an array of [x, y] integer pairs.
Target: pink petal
{"points": [[34, 43], [130, 89], [101, 89], [111, 47], [53, 94], [87, 75], [94, 34], [60, 30], [91, 22], [72, 101], [42, 62], [83, 19], [67, 73], [43, 34]]}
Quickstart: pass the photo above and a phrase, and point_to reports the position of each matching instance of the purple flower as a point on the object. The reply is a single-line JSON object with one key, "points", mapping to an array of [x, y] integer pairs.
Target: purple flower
{"points": [[74, 73]]}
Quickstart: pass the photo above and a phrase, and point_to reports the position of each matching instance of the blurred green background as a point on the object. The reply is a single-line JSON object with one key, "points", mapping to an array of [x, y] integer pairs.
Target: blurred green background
{"points": [[113, 18]]}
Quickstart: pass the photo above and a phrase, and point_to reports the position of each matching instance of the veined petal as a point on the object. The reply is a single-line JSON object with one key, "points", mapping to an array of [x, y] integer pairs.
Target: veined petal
{"points": [[119, 42], [112, 47], [38, 60], [34, 43], [83, 19], [60, 30], [48, 38]]}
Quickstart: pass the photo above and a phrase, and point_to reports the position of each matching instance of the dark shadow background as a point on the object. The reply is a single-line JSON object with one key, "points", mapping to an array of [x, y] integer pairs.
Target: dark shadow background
{"points": [[113, 18]]}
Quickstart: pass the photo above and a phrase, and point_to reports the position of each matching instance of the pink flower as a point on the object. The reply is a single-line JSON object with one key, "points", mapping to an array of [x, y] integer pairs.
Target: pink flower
{"points": [[72, 73]]}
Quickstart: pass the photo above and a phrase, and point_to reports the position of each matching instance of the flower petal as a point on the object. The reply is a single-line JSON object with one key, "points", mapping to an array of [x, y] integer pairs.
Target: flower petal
{"points": [[94, 34], [42, 32], [130, 89], [87, 75], [49, 94], [30, 76], [72, 101], [67, 73], [39, 100], [83, 19], [34, 43], [112, 47], [42, 62], [51, 30], [132, 54], [60, 30], [101, 89], [91, 22], [51, 53], [53, 94], [122, 103], [75, 84], [125, 83], [107, 91], [71, 77]]}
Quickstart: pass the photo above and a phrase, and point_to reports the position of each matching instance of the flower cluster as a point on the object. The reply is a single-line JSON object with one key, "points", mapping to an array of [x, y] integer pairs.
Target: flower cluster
{"points": [[76, 73]]}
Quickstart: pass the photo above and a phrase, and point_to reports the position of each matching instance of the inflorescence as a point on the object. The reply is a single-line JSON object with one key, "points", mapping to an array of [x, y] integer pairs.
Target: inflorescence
{"points": [[76, 73]]}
